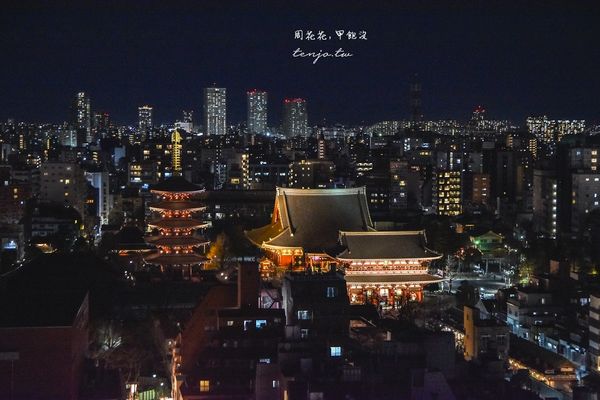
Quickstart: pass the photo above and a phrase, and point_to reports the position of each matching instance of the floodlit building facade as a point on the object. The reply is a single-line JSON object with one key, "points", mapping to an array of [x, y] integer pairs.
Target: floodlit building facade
{"points": [[320, 230]]}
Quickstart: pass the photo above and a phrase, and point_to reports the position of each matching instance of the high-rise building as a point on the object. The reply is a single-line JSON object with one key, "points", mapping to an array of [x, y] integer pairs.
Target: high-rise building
{"points": [[257, 111], [594, 332], [100, 181], [176, 152], [101, 124], [63, 183], [295, 118], [585, 193], [545, 202], [145, 122], [448, 193], [82, 118], [215, 111], [480, 192]]}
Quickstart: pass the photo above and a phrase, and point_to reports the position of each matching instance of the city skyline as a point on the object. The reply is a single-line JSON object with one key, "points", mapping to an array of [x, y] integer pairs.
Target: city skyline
{"points": [[512, 60]]}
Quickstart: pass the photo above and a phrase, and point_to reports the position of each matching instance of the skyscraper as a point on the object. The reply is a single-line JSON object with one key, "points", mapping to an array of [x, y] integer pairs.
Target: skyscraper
{"points": [[295, 119], [145, 122], [257, 111], [83, 118], [215, 111]]}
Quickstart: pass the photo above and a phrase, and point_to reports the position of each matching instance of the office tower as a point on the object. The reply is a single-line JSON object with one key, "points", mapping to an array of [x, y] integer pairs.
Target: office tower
{"points": [[416, 114], [82, 119], [145, 122], [176, 152], [448, 193], [257, 111], [295, 119], [101, 124], [215, 111]]}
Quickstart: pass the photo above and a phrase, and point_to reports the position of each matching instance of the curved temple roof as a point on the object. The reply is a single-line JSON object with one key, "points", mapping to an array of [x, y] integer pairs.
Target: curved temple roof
{"points": [[176, 184], [385, 245], [177, 223], [312, 218], [177, 206]]}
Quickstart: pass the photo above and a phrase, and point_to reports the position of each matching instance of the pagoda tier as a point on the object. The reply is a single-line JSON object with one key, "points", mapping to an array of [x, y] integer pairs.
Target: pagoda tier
{"points": [[173, 225], [177, 241], [174, 206]]}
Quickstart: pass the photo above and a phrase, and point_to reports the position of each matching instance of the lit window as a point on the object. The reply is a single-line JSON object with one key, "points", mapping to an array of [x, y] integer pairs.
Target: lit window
{"points": [[335, 351], [229, 323], [261, 323], [331, 292], [204, 386], [275, 384], [304, 314]]}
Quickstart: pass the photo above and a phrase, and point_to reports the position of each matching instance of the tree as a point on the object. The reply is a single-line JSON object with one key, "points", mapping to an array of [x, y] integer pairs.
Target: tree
{"points": [[219, 251], [527, 269]]}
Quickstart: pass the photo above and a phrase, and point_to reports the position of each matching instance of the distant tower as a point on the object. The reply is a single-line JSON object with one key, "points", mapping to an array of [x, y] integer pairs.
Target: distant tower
{"points": [[295, 118], [83, 118], [478, 114], [176, 154], [145, 122], [215, 111], [416, 114], [257, 111]]}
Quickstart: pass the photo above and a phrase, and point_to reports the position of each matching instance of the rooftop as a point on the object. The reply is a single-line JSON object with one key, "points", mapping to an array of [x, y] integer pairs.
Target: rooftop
{"points": [[176, 184], [392, 245], [312, 218]]}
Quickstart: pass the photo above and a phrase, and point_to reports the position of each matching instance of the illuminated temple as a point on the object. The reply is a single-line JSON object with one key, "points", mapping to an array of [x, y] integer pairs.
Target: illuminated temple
{"points": [[317, 229], [174, 229]]}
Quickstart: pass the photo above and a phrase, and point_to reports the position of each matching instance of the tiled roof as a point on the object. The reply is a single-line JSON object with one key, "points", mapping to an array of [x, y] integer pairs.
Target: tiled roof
{"points": [[386, 245], [312, 218], [176, 184]]}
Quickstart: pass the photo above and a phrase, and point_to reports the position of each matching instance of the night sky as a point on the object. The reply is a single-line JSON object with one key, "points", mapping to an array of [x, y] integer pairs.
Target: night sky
{"points": [[514, 61]]}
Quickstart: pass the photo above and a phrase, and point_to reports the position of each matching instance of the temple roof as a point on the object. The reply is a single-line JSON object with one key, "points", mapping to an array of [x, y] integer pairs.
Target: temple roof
{"points": [[181, 223], [177, 205], [176, 184], [312, 218], [385, 245], [390, 279]]}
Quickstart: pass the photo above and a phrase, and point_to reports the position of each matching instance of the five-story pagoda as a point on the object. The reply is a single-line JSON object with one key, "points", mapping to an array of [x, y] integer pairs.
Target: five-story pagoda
{"points": [[176, 233]]}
